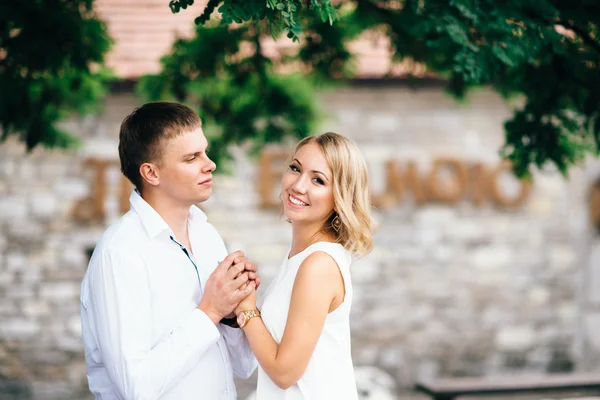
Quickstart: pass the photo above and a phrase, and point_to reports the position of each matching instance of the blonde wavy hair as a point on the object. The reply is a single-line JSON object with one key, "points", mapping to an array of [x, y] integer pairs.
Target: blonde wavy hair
{"points": [[350, 191]]}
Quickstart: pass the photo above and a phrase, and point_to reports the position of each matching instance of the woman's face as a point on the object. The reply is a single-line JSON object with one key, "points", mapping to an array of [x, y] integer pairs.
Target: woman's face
{"points": [[307, 187]]}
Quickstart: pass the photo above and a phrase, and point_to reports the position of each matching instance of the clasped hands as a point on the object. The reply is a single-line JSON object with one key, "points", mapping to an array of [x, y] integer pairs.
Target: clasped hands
{"points": [[231, 286]]}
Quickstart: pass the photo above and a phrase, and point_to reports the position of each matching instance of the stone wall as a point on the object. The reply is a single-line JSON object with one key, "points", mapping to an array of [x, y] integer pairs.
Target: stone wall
{"points": [[450, 289]]}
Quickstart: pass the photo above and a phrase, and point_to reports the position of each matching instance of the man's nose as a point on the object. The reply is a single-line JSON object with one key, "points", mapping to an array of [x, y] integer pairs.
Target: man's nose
{"points": [[210, 166]]}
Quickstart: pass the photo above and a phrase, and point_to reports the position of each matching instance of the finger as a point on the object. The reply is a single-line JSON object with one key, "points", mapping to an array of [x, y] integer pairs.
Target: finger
{"points": [[251, 287], [239, 281], [235, 270], [228, 261], [251, 267], [251, 275], [241, 294], [257, 282], [240, 259]]}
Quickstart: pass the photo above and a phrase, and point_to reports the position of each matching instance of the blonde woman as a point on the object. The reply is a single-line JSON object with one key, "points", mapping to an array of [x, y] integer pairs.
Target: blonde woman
{"points": [[302, 340]]}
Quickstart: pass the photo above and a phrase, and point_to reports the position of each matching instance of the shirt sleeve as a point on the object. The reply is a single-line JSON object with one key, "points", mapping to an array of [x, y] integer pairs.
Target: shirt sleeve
{"points": [[243, 362], [120, 301]]}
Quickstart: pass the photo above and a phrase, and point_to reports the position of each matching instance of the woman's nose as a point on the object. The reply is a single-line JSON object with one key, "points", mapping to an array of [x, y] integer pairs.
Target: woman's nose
{"points": [[299, 185]]}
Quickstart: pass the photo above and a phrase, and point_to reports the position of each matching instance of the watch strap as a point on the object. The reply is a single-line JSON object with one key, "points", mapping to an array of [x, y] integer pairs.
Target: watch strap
{"points": [[232, 322], [249, 314]]}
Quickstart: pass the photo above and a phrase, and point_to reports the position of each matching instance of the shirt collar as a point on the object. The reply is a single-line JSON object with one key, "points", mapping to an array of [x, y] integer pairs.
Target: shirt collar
{"points": [[152, 221]]}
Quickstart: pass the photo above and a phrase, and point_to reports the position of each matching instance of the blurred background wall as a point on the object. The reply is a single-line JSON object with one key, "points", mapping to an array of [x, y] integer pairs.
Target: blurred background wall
{"points": [[473, 272]]}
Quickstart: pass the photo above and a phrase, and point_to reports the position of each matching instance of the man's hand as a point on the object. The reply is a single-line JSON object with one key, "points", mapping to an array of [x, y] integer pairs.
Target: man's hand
{"points": [[223, 290], [249, 268]]}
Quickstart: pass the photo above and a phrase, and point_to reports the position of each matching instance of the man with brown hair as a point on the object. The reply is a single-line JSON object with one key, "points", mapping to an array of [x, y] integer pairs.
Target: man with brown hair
{"points": [[160, 285]]}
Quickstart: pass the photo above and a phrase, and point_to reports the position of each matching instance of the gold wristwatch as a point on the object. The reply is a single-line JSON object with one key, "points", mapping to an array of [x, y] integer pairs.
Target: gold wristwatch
{"points": [[244, 316]]}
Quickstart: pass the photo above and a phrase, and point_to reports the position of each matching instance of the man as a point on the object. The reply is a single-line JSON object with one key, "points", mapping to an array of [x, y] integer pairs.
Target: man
{"points": [[160, 284]]}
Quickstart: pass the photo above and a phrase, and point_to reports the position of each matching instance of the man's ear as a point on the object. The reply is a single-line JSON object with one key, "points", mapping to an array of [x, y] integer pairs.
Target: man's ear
{"points": [[150, 174]]}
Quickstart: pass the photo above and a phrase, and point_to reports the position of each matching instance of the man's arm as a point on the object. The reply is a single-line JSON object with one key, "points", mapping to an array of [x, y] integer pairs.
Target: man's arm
{"points": [[121, 313]]}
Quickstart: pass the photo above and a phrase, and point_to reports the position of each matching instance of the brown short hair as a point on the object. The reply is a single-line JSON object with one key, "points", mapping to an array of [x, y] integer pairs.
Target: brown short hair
{"points": [[143, 131]]}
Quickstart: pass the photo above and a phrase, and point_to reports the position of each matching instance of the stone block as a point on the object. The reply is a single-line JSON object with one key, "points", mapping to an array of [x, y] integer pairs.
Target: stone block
{"points": [[69, 343], [365, 355], [74, 325], [8, 167], [33, 308], [492, 257], [6, 277], [72, 188], [72, 256], [60, 292], [364, 270], [19, 328], [16, 261], [515, 338], [29, 231], [561, 256], [44, 205], [539, 296], [13, 208], [592, 274], [28, 171], [382, 123], [20, 291]]}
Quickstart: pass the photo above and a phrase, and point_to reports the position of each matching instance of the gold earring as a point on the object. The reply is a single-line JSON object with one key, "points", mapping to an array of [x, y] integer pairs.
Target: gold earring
{"points": [[336, 224]]}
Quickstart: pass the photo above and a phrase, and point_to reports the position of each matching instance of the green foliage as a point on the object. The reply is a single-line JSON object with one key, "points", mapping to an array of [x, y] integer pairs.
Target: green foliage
{"points": [[546, 51], [46, 49], [282, 15], [238, 95]]}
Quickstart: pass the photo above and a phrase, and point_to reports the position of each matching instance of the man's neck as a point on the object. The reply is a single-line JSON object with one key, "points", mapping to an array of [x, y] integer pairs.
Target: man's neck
{"points": [[173, 213]]}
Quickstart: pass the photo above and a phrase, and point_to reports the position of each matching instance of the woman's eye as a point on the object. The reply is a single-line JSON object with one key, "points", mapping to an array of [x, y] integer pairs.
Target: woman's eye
{"points": [[294, 168], [319, 181]]}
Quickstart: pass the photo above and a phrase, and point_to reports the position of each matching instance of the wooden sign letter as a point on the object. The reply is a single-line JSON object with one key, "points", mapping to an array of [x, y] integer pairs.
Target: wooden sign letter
{"points": [[270, 170], [453, 191], [397, 183], [500, 198]]}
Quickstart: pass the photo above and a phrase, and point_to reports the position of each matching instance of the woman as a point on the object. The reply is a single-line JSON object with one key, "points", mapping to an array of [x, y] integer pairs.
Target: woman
{"points": [[302, 342]]}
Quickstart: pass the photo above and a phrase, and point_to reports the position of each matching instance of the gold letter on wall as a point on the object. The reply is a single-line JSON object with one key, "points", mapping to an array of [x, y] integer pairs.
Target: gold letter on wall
{"points": [[270, 169], [455, 188], [500, 198], [397, 183]]}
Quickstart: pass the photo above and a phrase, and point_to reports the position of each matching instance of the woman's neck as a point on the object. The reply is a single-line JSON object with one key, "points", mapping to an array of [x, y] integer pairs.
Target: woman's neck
{"points": [[305, 235]]}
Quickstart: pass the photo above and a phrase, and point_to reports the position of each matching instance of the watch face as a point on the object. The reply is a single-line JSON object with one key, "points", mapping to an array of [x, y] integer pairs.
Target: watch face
{"points": [[241, 318]]}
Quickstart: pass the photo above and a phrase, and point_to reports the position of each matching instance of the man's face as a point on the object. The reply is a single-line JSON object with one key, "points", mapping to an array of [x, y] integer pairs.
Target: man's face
{"points": [[185, 171]]}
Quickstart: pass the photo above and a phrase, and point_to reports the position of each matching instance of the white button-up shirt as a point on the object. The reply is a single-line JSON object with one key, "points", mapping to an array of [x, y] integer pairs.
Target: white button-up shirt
{"points": [[143, 336]]}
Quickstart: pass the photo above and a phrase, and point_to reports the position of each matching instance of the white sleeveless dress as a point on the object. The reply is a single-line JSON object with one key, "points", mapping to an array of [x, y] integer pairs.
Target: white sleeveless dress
{"points": [[329, 374]]}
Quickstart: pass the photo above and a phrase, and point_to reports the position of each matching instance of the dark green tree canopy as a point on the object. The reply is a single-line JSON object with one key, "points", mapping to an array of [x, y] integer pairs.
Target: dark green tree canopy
{"points": [[547, 51], [47, 51]]}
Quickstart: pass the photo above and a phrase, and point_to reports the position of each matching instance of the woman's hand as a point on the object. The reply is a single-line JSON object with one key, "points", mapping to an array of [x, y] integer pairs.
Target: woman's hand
{"points": [[249, 303]]}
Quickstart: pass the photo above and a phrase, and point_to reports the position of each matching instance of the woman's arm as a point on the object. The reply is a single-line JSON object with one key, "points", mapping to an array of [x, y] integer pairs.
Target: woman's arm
{"points": [[318, 286]]}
